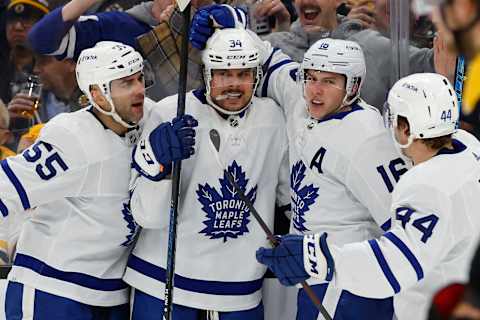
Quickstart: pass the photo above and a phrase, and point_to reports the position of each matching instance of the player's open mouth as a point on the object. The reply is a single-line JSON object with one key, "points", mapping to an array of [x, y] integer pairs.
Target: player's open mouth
{"points": [[316, 103], [137, 107], [233, 95], [310, 13], [229, 95]]}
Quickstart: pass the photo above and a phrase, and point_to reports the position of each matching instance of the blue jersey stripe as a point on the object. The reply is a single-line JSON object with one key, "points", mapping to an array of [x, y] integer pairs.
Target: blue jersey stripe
{"points": [[16, 183], [3, 208], [14, 300], [384, 265], [81, 279], [267, 63], [387, 225], [269, 74], [407, 253], [194, 285]]}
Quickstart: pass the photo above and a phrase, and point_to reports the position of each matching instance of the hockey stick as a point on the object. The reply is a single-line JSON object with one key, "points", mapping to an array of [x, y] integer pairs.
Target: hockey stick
{"points": [[459, 77], [215, 139], [172, 228]]}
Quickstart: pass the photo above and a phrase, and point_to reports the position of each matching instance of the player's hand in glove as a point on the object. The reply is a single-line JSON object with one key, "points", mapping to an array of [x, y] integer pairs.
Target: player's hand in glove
{"points": [[174, 141], [169, 142], [214, 16], [298, 258]]}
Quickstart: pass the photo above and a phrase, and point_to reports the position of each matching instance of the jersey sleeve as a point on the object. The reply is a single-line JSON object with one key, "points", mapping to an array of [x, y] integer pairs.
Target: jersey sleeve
{"points": [[372, 173], [53, 168], [4, 241], [418, 240], [150, 200], [66, 39], [279, 76]]}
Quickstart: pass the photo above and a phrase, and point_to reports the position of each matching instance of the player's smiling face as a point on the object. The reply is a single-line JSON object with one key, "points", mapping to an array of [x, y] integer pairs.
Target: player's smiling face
{"points": [[324, 93], [232, 89], [317, 14], [128, 94]]}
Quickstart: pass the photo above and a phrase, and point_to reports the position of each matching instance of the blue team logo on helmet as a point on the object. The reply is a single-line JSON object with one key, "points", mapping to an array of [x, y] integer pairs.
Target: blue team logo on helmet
{"points": [[302, 197], [131, 225], [227, 215]]}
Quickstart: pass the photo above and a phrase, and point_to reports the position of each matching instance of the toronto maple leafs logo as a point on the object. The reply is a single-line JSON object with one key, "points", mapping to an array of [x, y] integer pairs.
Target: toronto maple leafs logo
{"points": [[227, 215], [131, 225], [302, 197]]}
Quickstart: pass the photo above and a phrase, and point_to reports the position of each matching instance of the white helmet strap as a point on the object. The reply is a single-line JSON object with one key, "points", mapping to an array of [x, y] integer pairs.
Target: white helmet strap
{"points": [[410, 139], [112, 113]]}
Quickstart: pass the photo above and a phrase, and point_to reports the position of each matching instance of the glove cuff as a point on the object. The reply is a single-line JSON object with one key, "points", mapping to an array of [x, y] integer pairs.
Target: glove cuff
{"points": [[317, 259], [145, 163]]}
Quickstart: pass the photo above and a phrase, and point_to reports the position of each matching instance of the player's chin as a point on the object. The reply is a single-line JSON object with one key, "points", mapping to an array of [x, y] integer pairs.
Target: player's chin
{"points": [[317, 111], [233, 104], [136, 111]]}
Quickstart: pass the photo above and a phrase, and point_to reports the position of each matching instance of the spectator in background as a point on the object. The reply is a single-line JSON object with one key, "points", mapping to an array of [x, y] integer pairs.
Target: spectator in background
{"points": [[469, 307], [461, 21], [268, 10], [15, 57], [29, 138], [4, 133], [459, 301], [64, 33], [318, 19], [421, 28], [60, 94], [4, 153]]}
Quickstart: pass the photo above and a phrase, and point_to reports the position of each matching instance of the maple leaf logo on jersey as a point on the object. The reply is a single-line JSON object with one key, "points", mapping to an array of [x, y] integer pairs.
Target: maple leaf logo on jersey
{"points": [[227, 215], [131, 225], [302, 197]]}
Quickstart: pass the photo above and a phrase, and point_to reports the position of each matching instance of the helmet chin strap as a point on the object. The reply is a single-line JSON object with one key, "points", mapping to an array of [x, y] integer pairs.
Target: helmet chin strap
{"points": [[400, 147], [115, 116]]}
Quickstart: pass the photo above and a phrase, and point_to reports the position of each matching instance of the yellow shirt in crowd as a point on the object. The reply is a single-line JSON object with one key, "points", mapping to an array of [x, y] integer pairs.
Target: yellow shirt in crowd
{"points": [[471, 92]]}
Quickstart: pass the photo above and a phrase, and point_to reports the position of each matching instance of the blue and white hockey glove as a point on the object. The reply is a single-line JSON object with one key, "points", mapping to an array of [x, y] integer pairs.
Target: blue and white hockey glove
{"points": [[214, 16], [298, 258], [169, 142]]}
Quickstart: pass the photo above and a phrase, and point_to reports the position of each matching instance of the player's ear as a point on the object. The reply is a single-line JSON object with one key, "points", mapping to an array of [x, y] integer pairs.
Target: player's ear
{"points": [[98, 97], [403, 125]]}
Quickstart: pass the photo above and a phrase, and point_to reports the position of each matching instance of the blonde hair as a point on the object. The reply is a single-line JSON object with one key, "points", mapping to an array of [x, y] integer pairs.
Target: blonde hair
{"points": [[4, 116]]}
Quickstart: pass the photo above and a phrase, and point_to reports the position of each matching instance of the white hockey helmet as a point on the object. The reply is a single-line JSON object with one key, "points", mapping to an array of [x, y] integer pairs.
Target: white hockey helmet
{"points": [[337, 56], [102, 64], [231, 48], [428, 102]]}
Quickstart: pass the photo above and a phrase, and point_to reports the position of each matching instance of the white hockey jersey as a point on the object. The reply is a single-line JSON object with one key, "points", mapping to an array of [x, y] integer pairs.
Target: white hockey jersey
{"points": [[435, 230], [217, 236], [75, 243], [343, 167]]}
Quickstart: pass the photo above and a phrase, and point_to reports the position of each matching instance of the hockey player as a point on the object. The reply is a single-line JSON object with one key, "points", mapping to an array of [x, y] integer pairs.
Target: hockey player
{"points": [[72, 251], [216, 271], [343, 164], [434, 208]]}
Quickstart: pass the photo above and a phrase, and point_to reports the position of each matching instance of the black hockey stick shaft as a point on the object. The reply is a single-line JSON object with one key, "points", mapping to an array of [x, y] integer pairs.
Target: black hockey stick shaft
{"points": [[215, 138], [172, 228]]}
